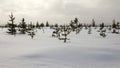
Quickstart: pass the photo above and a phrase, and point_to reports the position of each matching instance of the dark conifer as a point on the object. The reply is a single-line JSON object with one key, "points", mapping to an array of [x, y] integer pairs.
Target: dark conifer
{"points": [[93, 23], [23, 27], [11, 25], [47, 24], [37, 25]]}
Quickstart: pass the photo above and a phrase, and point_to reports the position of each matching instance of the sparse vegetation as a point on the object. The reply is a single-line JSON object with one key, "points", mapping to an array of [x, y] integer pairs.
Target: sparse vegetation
{"points": [[60, 31], [11, 25]]}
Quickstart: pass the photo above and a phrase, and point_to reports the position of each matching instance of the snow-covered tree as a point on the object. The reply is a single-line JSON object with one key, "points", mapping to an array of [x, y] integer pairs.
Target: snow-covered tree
{"points": [[89, 30], [118, 27], [64, 33], [74, 24], [102, 33], [31, 33]]}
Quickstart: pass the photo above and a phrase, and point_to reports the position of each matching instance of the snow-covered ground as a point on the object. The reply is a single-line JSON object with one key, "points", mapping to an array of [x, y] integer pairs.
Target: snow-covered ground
{"points": [[43, 51]]}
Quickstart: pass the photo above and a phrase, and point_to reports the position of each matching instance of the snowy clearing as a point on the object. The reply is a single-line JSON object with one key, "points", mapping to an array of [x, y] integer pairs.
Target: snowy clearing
{"points": [[43, 51]]}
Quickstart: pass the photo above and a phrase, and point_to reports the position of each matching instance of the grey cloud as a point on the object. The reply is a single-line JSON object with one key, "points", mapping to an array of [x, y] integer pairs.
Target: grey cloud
{"points": [[61, 10]]}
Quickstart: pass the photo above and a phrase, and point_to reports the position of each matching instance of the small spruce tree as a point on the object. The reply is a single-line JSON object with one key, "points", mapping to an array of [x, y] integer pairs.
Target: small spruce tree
{"points": [[89, 31], [114, 26], [37, 25], [11, 25], [93, 23], [47, 24], [65, 32], [118, 27], [23, 26]]}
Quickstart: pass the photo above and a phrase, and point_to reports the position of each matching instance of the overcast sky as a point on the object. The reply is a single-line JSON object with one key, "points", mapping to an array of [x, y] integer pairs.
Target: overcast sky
{"points": [[60, 11]]}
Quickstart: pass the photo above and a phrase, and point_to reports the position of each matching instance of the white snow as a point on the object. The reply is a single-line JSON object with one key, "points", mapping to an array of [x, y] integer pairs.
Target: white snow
{"points": [[43, 51]]}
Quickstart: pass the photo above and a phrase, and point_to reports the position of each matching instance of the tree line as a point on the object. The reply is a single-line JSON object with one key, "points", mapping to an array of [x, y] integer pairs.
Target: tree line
{"points": [[60, 31]]}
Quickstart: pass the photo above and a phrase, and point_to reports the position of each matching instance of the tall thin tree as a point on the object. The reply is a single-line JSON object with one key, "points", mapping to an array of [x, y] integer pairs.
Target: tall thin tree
{"points": [[11, 25]]}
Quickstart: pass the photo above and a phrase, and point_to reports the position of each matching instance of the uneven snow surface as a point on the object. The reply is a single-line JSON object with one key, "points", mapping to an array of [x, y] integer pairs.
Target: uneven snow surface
{"points": [[43, 51]]}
